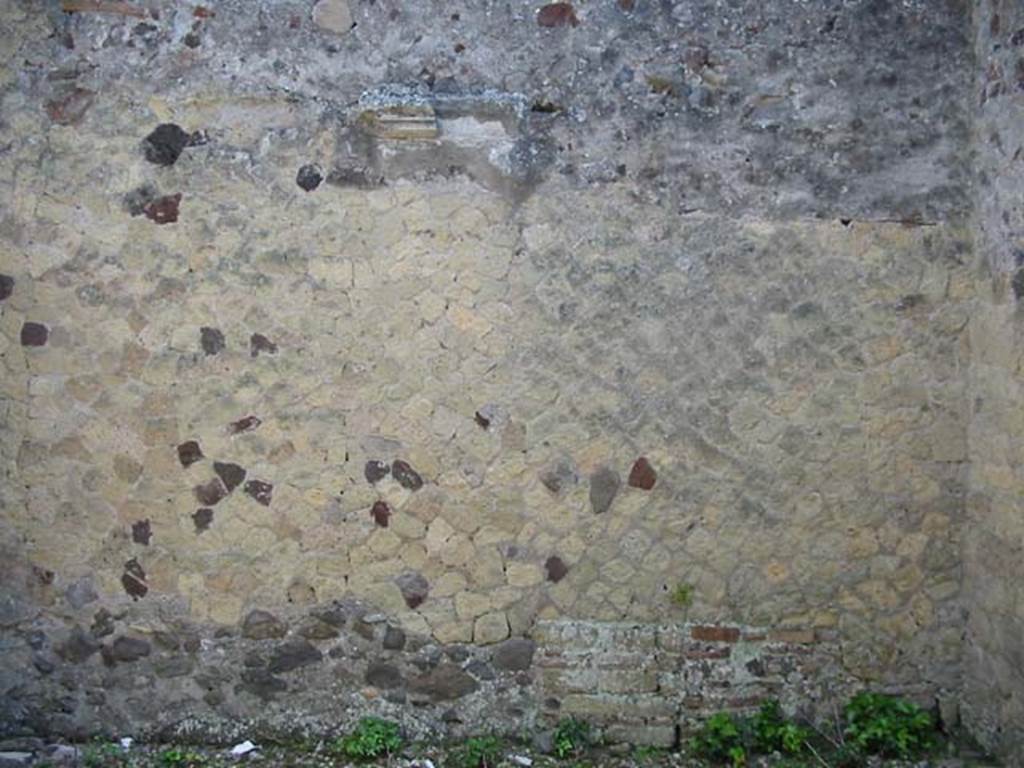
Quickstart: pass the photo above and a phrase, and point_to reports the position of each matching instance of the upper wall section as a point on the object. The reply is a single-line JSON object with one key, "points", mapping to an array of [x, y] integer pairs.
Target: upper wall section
{"points": [[998, 100], [787, 108]]}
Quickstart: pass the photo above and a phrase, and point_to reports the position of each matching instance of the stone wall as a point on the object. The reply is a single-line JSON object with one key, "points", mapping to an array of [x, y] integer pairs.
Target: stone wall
{"points": [[993, 561], [477, 365]]}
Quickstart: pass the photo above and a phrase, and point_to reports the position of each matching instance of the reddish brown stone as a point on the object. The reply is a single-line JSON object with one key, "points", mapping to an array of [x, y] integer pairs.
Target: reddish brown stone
{"points": [[714, 634], [34, 335], [189, 453], [244, 425], [380, 513], [210, 493], [70, 108], [406, 476], [134, 579], [141, 532], [163, 210], [262, 492], [642, 475], [556, 568], [557, 15]]}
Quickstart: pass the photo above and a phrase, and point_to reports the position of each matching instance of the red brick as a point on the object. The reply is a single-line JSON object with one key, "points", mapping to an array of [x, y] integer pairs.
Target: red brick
{"points": [[709, 653], [715, 634]]}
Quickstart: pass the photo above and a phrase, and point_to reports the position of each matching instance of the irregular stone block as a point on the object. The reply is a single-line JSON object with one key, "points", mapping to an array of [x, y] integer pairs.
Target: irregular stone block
{"points": [[261, 625], [230, 474], [164, 145], [210, 493], [381, 675], [202, 518], [514, 655], [490, 628], [78, 647], [262, 683], [394, 639], [34, 334], [246, 424], [81, 592], [134, 579], [211, 340], [258, 344], [642, 475], [308, 178], [604, 486], [333, 16], [163, 210], [142, 532], [70, 107], [406, 476], [376, 471], [128, 649], [555, 568], [380, 512], [189, 453], [317, 629], [292, 655], [446, 682]]}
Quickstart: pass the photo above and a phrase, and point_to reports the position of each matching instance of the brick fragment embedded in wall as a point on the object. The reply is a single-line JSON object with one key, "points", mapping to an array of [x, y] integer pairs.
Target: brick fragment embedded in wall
{"points": [[716, 634], [641, 679]]}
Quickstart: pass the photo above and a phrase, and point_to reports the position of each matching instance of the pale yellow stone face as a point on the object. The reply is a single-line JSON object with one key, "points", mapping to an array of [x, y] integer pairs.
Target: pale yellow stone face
{"points": [[509, 353]]}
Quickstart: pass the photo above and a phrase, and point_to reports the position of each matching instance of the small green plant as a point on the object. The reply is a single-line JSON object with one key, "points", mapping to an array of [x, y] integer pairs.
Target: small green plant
{"points": [[372, 738], [774, 733], [681, 595], [571, 737], [477, 752], [877, 724], [645, 752], [103, 754], [180, 758], [720, 740]]}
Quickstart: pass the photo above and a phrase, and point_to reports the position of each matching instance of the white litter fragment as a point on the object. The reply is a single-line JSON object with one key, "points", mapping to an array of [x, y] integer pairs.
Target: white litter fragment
{"points": [[424, 763], [522, 760], [243, 749], [126, 743]]}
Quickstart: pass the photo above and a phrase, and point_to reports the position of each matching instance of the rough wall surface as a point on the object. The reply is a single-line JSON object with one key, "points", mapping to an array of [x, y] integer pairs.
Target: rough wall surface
{"points": [[437, 349], [994, 544]]}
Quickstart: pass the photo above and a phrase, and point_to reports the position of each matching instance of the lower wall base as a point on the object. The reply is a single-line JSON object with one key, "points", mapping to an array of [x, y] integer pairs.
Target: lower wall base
{"points": [[318, 672]]}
